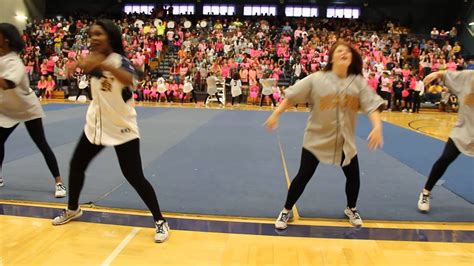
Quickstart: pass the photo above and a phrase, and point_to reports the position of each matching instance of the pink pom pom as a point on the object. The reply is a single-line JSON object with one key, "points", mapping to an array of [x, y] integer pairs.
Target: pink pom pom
{"points": [[405, 93]]}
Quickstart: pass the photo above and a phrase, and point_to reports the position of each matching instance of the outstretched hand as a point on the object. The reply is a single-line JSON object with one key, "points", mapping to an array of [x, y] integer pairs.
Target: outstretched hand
{"points": [[272, 122], [375, 138]]}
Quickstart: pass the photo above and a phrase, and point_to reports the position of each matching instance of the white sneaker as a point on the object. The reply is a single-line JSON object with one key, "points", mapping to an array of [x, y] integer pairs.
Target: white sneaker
{"points": [[162, 231], [354, 217], [66, 216], [281, 222], [424, 202], [1, 182], [60, 191]]}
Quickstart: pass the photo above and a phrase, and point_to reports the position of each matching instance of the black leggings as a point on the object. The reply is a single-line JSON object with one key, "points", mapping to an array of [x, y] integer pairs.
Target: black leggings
{"points": [[130, 163], [388, 97], [217, 97], [271, 97], [308, 166], [36, 131], [193, 95], [240, 99], [86, 90], [416, 101], [398, 100], [450, 154]]}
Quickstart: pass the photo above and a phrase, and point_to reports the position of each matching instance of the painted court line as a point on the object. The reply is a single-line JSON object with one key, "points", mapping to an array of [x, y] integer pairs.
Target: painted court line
{"points": [[107, 193], [296, 215], [120, 247]]}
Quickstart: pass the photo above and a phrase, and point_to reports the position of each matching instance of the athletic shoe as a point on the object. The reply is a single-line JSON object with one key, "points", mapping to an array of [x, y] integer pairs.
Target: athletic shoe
{"points": [[66, 216], [354, 217], [60, 191], [424, 202], [162, 231], [1, 182], [281, 222]]}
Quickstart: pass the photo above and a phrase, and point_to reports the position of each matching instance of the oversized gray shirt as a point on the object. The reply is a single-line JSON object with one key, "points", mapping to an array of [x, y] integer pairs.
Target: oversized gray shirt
{"points": [[330, 130], [462, 84], [211, 85], [267, 85], [19, 104]]}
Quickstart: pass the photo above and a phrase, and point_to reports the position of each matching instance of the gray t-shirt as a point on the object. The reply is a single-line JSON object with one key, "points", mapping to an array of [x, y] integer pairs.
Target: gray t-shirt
{"points": [[330, 130], [462, 84], [211, 85], [267, 85], [19, 104]]}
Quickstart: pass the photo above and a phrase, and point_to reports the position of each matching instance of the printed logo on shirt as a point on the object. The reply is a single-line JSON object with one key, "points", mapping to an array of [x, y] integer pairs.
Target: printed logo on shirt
{"points": [[125, 130], [469, 99], [106, 84], [332, 101]]}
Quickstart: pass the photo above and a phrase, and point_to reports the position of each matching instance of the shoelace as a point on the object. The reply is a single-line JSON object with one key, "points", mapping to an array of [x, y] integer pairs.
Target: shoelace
{"points": [[285, 217], [63, 213], [425, 198], [160, 228], [356, 214]]}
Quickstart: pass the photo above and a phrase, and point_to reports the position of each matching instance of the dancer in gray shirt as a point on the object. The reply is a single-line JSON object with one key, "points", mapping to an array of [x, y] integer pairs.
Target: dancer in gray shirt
{"points": [[336, 94], [461, 139]]}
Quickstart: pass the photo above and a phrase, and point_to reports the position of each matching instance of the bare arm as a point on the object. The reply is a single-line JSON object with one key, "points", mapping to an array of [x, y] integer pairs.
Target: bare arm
{"points": [[433, 76], [272, 121], [375, 137]]}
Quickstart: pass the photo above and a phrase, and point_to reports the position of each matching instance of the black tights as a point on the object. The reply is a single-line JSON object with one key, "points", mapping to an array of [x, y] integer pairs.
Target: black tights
{"points": [[271, 98], [450, 154], [308, 166], [240, 99], [217, 97], [416, 102], [130, 163], [86, 90], [36, 131], [193, 96]]}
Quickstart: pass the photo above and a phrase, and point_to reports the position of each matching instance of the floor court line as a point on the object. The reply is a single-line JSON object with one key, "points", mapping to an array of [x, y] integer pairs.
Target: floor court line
{"points": [[296, 214], [120, 247], [106, 194]]}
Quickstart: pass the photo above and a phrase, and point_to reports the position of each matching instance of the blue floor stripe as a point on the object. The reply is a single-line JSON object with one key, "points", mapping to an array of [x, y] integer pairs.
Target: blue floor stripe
{"points": [[307, 231]]}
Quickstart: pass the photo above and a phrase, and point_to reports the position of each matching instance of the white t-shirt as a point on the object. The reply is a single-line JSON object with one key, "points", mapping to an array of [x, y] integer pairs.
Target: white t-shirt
{"points": [[111, 120], [236, 87], [188, 86], [267, 86], [83, 82], [161, 85], [19, 104]]}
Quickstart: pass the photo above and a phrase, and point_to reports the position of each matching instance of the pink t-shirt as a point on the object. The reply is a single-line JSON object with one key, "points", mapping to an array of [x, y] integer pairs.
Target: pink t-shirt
{"points": [[42, 84], [225, 71], [373, 82], [50, 65], [50, 84], [451, 66]]}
